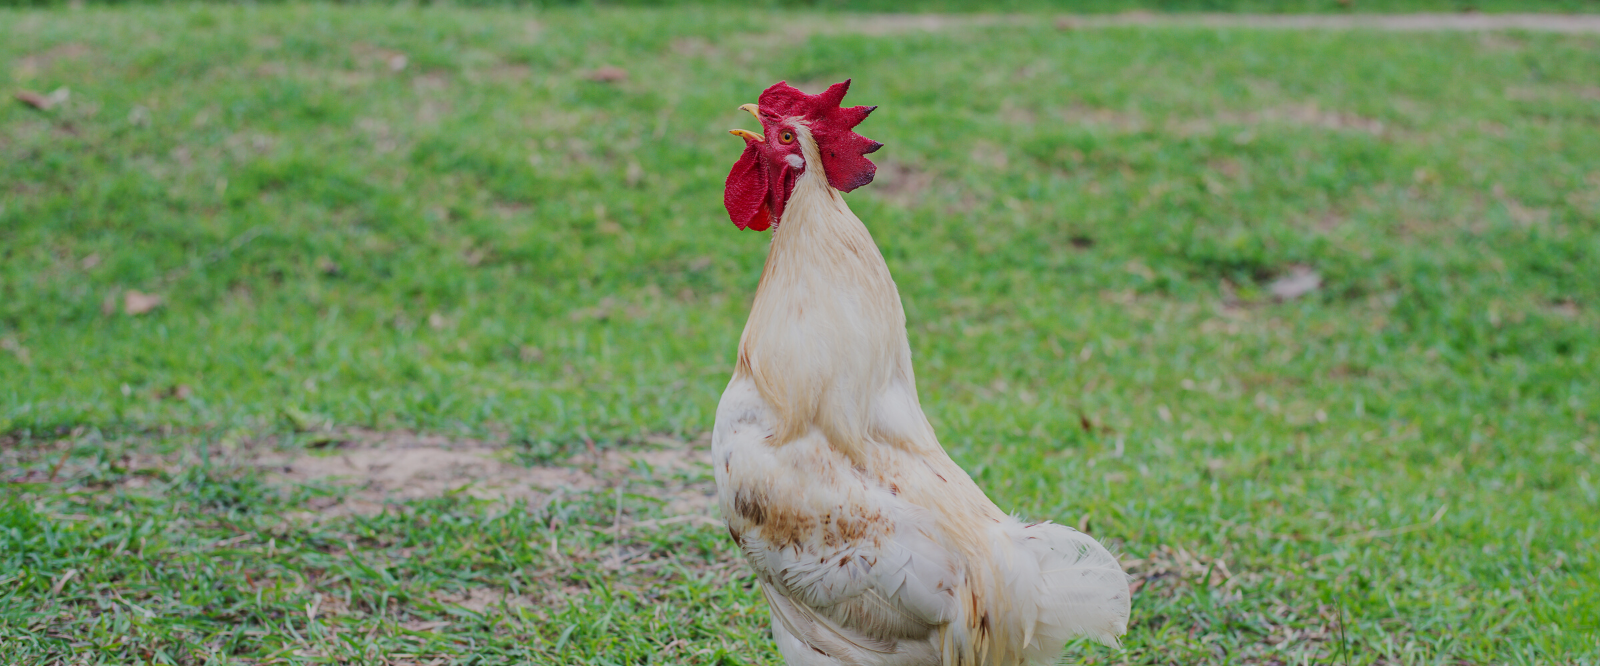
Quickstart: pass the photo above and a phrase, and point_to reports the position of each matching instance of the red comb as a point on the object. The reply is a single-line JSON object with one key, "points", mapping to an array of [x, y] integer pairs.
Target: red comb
{"points": [[843, 151]]}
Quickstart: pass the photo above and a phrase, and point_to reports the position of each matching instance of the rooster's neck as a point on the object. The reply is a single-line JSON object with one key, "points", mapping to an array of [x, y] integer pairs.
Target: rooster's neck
{"points": [[826, 339]]}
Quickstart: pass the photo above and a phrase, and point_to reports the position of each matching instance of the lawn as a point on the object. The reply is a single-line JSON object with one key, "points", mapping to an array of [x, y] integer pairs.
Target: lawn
{"points": [[1301, 323]]}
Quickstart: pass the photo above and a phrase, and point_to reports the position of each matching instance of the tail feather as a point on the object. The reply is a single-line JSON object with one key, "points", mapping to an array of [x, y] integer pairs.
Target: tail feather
{"points": [[1062, 585]]}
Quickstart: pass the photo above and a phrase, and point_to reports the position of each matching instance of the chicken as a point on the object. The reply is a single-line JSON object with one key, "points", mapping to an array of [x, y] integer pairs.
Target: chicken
{"points": [[870, 544]]}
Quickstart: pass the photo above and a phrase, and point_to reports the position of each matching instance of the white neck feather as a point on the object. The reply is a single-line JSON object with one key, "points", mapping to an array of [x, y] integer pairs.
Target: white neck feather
{"points": [[826, 340]]}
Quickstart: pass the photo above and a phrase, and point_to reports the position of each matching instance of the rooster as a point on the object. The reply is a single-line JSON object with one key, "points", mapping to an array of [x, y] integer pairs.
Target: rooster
{"points": [[870, 544]]}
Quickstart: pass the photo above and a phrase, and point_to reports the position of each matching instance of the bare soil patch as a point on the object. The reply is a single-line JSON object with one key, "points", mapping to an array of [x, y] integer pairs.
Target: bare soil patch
{"points": [[384, 475], [483, 599], [1298, 115], [32, 65], [1565, 23], [383, 468], [1169, 571], [902, 184], [1113, 120], [386, 468], [890, 24], [1307, 115]]}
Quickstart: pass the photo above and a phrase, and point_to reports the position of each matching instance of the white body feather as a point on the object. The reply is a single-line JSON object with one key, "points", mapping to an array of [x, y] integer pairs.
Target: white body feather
{"points": [[870, 544]]}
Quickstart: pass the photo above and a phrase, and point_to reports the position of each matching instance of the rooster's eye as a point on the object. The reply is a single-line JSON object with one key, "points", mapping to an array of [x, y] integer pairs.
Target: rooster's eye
{"points": [[786, 136]]}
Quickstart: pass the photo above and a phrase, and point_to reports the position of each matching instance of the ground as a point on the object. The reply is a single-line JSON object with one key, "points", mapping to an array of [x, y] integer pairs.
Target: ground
{"points": [[361, 334]]}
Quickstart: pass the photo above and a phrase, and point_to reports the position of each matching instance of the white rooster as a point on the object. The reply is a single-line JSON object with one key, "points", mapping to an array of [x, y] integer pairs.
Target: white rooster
{"points": [[871, 545]]}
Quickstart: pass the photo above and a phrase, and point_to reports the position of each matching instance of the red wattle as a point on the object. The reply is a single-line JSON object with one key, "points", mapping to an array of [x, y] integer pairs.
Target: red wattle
{"points": [[762, 221], [745, 193]]}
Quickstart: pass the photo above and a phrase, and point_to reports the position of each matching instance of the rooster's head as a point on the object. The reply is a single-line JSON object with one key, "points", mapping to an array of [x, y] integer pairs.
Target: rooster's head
{"points": [[765, 175]]}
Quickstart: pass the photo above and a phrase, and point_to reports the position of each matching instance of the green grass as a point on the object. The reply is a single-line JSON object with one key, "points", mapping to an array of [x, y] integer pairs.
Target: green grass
{"points": [[969, 6], [1399, 467]]}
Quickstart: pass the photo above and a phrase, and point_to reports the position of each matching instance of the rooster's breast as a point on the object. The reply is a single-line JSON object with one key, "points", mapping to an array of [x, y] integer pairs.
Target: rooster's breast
{"points": [[801, 495], [850, 560]]}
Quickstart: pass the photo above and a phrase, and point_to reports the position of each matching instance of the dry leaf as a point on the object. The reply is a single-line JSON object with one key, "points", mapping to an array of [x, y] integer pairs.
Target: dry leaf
{"points": [[62, 581], [135, 302], [1300, 281], [397, 62], [436, 321], [89, 262], [43, 102], [608, 74], [33, 99]]}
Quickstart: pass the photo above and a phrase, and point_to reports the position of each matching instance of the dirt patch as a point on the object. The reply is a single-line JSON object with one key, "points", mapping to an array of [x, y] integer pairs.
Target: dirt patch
{"points": [[503, 72], [694, 47], [892, 24], [1012, 114], [901, 184], [1287, 634], [388, 475], [246, 146], [1169, 571], [1100, 118], [1116, 121], [990, 155], [383, 468], [370, 56], [32, 65], [1564, 23], [1295, 115], [430, 82], [481, 599]]}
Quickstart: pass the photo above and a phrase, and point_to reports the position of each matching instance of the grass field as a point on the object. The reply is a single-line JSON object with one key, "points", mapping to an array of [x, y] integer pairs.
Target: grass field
{"points": [[247, 243], [966, 6]]}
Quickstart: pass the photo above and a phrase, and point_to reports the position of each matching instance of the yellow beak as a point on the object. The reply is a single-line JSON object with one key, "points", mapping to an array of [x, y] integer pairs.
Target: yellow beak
{"points": [[753, 109]]}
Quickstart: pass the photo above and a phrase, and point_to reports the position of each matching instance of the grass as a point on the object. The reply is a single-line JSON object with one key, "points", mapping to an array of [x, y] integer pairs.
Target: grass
{"points": [[391, 219], [966, 6]]}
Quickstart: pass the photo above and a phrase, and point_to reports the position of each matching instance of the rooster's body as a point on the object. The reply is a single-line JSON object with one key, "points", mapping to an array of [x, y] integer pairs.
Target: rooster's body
{"points": [[871, 545]]}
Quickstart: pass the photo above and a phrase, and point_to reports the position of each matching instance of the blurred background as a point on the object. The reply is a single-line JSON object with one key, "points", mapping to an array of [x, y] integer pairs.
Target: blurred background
{"points": [[1296, 310]]}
